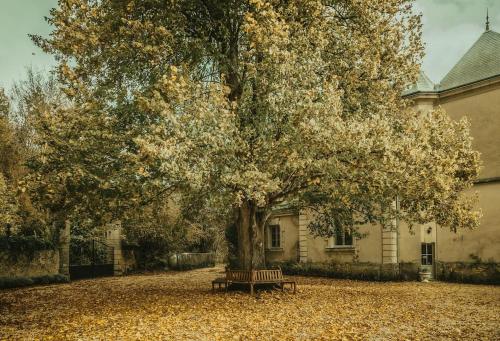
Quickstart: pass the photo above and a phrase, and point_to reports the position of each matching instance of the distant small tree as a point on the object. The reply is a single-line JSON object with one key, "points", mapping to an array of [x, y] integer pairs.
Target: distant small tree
{"points": [[8, 205], [9, 153], [4, 103], [8, 164], [15, 148], [36, 91]]}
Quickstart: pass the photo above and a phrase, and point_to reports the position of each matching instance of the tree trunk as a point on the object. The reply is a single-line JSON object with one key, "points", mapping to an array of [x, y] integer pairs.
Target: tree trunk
{"points": [[251, 254]]}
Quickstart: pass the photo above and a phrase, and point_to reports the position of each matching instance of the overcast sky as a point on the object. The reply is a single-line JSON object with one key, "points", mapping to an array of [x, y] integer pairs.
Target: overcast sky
{"points": [[450, 28]]}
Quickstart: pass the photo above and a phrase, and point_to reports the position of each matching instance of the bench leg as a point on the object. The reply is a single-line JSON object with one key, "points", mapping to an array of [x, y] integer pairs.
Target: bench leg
{"points": [[251, 289], [282, 287]]}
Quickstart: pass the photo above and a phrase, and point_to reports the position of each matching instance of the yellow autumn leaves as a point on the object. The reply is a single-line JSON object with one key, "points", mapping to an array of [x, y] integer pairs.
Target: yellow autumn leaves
{"points": [[181, 306]]}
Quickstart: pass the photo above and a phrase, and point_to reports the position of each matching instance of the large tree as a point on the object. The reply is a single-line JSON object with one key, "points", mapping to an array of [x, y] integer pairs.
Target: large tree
{"points": [[258, 103]]}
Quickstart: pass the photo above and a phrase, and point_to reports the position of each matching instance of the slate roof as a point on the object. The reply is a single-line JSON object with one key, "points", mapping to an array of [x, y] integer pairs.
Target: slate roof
{"points": [[423, 84], [480, 62]]}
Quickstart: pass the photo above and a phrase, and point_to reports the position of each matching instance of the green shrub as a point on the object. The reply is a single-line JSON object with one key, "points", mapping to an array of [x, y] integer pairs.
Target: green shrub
{"points": [[17, 282], [48, 279], [358, 271], [477, 272], [19, 244]]}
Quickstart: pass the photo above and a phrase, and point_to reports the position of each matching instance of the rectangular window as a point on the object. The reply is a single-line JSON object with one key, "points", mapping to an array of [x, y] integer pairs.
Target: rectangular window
{"points": [[275, 236], [427, 254], [340, 238]]}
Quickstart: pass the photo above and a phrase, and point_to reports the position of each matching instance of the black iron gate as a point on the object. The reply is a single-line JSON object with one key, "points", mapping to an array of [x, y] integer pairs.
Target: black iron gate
{"points": [[90, 258]]}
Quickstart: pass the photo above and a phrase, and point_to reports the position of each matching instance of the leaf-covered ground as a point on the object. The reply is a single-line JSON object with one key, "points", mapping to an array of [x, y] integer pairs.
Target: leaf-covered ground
{"points": [[180, 306]]}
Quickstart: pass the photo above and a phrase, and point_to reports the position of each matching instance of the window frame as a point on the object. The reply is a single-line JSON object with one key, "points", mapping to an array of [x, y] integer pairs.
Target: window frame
{"points": [[332, 241], [275, 231], [427, 254]]}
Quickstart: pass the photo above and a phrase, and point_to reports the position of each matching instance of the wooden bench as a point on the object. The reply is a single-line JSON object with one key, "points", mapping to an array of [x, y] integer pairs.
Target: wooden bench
{"points": [[253, 277], [272, 276]]}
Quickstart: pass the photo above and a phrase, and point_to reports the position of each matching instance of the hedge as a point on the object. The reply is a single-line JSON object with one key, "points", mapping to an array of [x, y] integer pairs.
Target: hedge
{"points": [[16, 282], [19, 244]]}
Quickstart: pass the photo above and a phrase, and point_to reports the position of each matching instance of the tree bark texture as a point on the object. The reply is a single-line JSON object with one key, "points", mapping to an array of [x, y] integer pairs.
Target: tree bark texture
{"points": [[251, 253]]}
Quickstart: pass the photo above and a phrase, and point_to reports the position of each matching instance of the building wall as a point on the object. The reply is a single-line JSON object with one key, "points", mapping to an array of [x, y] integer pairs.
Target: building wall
{"points": [[318, 251], [289, 251], [482, 243], [482, 107], [369, 247], [409, 243], [464, 247], [424, 104], [410, 240], [366, 249]]}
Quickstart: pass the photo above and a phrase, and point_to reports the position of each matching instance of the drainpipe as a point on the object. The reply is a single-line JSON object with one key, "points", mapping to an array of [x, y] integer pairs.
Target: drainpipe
{"points": [[397, 232], [436, 253]]}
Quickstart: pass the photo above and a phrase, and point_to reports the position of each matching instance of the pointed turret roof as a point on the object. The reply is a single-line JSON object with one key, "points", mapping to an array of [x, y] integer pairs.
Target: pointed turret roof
{"points": [[423, 84], [481, 61]]}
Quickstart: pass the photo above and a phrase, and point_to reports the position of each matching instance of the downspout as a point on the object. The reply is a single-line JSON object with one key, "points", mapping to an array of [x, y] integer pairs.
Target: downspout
{"points": [[397, 231], [435, 260]]}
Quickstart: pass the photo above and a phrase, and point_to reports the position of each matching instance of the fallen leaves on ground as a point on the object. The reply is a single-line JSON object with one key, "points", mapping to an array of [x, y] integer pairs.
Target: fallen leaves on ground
{"points": [[180, 306]]}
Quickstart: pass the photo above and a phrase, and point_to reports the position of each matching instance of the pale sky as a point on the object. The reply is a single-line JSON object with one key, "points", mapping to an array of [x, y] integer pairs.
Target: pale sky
{"points": [[450, 28], [17, 19]]}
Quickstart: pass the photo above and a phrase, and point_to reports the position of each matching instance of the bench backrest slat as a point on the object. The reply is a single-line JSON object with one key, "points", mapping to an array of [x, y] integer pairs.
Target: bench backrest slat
{"points": [[254, 276]]}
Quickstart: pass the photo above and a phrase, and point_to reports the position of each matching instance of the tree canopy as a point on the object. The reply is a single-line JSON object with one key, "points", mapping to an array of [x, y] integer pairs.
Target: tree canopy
{"points": [[253, 103]]}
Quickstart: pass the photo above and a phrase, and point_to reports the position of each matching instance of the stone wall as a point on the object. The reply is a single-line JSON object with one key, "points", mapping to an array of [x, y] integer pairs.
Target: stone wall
{"points": [[184, 261], [40, 263], [177, 261]]}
